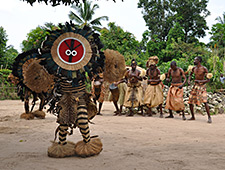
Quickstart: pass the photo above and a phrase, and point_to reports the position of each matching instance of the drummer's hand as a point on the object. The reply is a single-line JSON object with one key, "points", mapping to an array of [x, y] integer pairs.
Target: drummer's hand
{"points": [[116, 83], [180, 87]]}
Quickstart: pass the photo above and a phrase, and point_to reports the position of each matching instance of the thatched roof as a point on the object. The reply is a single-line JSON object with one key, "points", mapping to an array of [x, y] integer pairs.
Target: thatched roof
{"points": [[57, 2]]}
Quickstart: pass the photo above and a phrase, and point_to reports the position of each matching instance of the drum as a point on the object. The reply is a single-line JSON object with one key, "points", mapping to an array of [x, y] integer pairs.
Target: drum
{"points": [[97, 86], [115, 92]]}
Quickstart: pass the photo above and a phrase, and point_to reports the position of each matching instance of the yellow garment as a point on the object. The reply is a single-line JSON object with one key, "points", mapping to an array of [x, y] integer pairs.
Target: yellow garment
{"points": [[134, 92], [122, 91], [153, 95]]}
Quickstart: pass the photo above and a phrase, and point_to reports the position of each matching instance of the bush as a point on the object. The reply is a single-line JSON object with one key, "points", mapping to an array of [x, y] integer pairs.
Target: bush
{"points": [[7, 90]]}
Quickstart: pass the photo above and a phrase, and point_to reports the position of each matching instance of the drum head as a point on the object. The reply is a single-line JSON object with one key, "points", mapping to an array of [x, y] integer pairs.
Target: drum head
{"points": [[97, 83], [112, 86]]}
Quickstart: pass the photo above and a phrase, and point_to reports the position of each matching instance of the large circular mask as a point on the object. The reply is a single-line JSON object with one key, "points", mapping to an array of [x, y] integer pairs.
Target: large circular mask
{"points": [[71, 51]]}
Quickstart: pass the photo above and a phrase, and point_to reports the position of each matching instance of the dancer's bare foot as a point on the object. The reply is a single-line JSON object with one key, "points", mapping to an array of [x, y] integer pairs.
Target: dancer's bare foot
{"points": [[116, 113], [183, 117], [99, 114], [170, 116], [209, 120], [192, 118], [130, 114]]}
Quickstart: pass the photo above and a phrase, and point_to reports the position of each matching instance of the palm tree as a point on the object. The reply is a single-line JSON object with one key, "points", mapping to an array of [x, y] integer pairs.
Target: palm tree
{"points": [[85, 13], [221, 20]]}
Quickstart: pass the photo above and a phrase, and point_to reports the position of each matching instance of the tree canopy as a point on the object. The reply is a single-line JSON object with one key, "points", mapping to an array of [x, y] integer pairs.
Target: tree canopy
{"points": [[7, 53], [57, 2], [36, 36], [160, 16]]}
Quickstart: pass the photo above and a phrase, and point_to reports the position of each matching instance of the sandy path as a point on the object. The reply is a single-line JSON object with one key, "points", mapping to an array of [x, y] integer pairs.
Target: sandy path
{"points": [[129, 143]]}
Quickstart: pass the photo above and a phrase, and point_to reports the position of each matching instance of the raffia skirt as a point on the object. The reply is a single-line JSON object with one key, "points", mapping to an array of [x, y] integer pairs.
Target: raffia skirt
{"points": [[153, 95]]}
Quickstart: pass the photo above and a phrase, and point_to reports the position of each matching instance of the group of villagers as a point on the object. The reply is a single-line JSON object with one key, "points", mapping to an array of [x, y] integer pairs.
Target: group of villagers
{"points": [[138, 90]]}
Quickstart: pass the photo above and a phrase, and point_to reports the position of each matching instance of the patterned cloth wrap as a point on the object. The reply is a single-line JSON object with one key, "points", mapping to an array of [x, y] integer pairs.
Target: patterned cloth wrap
{"points": [[198, 94], [154, 95], [174, 100]]}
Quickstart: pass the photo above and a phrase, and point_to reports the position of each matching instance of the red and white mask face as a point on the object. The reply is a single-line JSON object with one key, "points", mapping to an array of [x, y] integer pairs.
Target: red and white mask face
{"points": [[71, 50]]}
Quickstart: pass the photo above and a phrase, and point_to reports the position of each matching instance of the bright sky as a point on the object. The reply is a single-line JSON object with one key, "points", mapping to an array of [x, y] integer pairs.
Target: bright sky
{"points": [[18, 17]]}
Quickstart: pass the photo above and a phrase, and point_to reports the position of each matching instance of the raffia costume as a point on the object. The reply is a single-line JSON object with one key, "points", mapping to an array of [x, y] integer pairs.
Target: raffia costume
{"points": [[174, 100], [67, 56], [25, 69], [154, 93], [134, 95]]}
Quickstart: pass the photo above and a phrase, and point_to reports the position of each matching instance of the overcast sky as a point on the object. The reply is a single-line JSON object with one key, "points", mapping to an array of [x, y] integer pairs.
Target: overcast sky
{"points": [[18, 17]]}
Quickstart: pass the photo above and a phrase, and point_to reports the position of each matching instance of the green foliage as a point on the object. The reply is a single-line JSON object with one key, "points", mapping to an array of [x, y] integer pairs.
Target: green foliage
{"points": [[3, 40], [181, 62], [154, 48], [4, 73], [160, 17], [36, 36], [188, 51], [116, 38], [7, 53], [218, 36], [216, 67], [7, 90], [85, 13]]}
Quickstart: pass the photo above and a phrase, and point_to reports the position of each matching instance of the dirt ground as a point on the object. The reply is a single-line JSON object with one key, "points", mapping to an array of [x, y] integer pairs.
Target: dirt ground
{"points": [[129, 143]]}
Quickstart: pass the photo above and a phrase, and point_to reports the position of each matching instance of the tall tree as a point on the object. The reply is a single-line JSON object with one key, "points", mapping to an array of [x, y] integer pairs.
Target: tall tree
{"points": [[160, 16], [85, 13], [191, 14], [7, 53]]}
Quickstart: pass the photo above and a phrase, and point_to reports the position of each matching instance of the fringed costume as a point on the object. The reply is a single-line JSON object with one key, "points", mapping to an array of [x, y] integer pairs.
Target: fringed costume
{"points": [[67, 57], [134, 95], [153, 95], [26, 69], [174, 100]]}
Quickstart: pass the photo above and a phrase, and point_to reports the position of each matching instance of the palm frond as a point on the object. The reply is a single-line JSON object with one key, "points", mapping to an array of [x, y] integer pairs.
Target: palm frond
{"points": [[97, 20], [75, 17], [97, 28]]}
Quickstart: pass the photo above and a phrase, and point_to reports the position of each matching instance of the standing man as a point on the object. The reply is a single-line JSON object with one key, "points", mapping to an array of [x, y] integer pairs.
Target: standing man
{"points": [[174, 100], [117, 95], [154, 93], [198, 94], [133, 97]]}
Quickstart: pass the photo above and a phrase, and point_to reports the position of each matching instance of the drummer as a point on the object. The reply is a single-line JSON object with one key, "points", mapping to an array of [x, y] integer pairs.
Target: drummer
{"points": [[98, 91], [133, 97], [117, 94]]}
